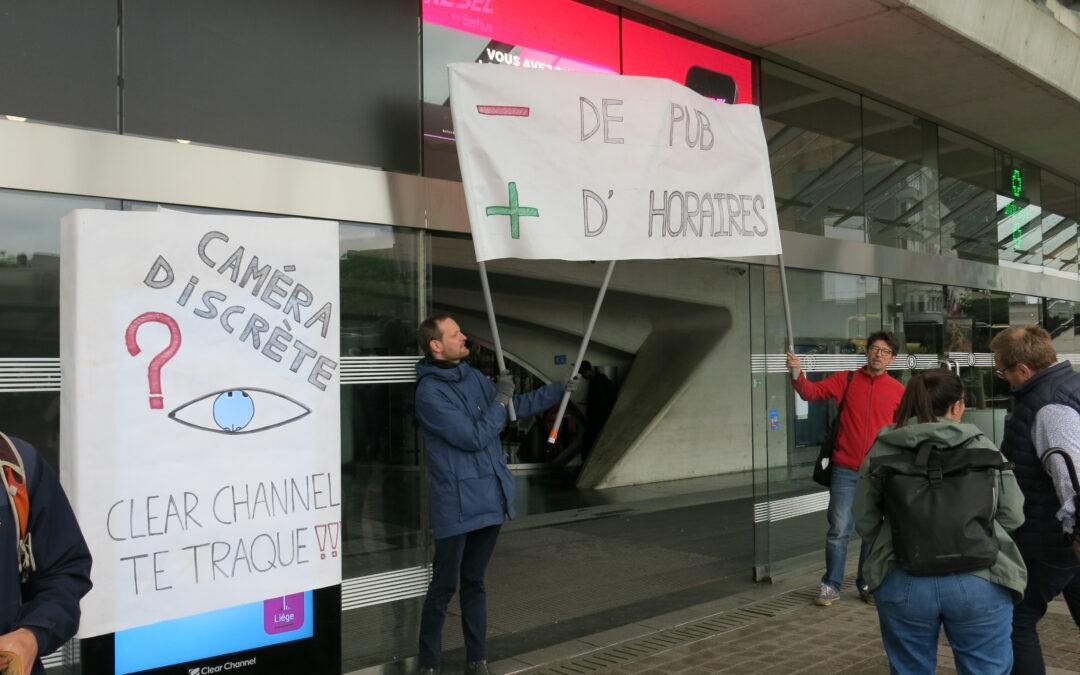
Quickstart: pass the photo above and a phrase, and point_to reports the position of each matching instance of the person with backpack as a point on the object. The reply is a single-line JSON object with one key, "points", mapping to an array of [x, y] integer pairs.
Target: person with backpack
{"points": [[936, 500], [867, 400], [44, 560], [1044, 418]]}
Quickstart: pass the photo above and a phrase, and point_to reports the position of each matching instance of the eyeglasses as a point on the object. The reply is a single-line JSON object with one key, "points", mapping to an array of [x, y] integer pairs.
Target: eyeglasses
{"points": [[884, 351], [1000, 372]]}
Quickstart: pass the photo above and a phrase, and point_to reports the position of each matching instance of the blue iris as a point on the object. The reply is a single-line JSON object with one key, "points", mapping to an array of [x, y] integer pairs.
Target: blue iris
{"points": [[233, 410]]}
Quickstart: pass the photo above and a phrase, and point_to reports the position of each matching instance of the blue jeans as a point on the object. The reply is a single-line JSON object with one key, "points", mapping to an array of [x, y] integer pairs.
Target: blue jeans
{"points": [[977, 615], [841, 523], [1045, 582], [465, 556]]}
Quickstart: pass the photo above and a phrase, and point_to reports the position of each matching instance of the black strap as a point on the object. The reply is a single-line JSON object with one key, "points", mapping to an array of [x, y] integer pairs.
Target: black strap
{"points": [[1068, 465], [843, 398], [1076, 484], [922, 457]]}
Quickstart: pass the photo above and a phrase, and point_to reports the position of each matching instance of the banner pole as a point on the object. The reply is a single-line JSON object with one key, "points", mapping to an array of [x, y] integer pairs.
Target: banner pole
{"points": [[787, 306], [494, 330], [581, 351]]}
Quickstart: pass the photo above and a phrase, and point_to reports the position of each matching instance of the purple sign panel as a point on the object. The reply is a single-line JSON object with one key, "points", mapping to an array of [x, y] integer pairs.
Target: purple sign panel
{"points": [[281, 615]]}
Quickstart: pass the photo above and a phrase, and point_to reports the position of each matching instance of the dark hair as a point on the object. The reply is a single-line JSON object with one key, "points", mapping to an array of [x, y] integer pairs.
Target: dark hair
{"points": [[1030, 345], [429, 330], [886, 337], [929, 395]]}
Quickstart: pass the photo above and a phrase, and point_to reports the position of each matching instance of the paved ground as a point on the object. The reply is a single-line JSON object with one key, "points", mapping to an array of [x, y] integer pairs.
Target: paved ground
{"points": [[803, 642], [780, 633]]}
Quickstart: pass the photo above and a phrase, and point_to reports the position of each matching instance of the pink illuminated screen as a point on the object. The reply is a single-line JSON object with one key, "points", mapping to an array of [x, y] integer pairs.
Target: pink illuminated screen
{"points": [[572, 36], [709, 71], [540, 33]]}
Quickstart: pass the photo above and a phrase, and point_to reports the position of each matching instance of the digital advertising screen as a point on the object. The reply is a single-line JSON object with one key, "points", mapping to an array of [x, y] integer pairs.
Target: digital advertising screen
{"points": [[292, 633], [224, 631], [548, 34], [709, 71], [562, 35]]}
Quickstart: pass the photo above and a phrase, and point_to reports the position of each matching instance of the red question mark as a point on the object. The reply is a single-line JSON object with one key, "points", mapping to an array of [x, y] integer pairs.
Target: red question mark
{"points": [[154, 372]]}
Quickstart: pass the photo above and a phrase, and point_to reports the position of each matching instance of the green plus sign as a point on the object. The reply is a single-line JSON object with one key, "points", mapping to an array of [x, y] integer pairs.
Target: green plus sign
{"points": [[514, 211]]}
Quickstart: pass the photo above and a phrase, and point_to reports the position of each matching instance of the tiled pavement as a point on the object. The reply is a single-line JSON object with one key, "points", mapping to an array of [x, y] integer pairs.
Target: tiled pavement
{"points": [[805, 641], [798, 637]]}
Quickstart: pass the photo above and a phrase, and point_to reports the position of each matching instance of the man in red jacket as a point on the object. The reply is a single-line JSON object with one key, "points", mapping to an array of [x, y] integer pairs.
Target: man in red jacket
{"points": [[872, 397]]}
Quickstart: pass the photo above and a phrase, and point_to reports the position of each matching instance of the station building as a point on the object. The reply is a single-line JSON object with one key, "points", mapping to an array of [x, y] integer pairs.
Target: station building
{"points": [[925, 163]]}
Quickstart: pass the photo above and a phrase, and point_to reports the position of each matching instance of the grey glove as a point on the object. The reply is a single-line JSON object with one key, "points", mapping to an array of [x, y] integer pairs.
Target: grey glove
{"points": [[571, 384], [505, 385]]}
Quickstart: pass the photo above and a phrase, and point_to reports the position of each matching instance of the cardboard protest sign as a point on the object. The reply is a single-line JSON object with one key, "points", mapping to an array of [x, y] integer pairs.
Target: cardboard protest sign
{"points": [[200, 409], [585, 166]]}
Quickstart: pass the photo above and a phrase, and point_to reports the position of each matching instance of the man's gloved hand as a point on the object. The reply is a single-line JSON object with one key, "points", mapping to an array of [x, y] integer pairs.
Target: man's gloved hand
{"points": [[505, 385], [569, 383]]}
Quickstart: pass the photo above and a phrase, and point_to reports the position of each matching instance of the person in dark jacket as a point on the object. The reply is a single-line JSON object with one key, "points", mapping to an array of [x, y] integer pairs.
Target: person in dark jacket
{"points": [[40, 613], [599, 400], [461, 413], [1045, 415], [870, 398]]}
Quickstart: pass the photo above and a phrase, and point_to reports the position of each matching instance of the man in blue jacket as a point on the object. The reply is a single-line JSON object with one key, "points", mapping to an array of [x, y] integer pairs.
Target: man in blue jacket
{"points": [[39, 606], [471, 490]]}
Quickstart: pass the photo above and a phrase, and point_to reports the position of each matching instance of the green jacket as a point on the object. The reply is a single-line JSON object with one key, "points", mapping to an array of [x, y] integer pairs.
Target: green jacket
{"points": [[870, 521]]}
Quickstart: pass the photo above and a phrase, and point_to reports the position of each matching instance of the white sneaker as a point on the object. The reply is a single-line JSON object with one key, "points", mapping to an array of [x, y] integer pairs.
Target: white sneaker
{"points": [[827, 596]]}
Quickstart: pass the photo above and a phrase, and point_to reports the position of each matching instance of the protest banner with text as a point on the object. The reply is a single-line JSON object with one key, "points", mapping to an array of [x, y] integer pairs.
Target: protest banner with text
{"points": [[200, 436], [584, 166]]}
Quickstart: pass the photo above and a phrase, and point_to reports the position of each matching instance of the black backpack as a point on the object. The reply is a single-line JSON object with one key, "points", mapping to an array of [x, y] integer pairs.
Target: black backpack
{"points": [[941, 502]]}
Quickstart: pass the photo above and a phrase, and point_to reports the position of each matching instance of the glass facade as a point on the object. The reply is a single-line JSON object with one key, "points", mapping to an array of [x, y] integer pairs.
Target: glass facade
{"points": [[30, 313], [702, 470], [595, 543], [814, 130], [967, 202]]}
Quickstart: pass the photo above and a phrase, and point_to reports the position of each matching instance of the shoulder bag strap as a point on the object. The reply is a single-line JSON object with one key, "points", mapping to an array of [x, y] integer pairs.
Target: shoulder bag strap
{"points": [[843, 398], [1072, 474], [13, 478]]}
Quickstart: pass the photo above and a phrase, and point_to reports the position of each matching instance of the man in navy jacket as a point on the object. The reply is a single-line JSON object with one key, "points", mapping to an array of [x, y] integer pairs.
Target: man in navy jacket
{"points": [[39, 614], [471, 491]]}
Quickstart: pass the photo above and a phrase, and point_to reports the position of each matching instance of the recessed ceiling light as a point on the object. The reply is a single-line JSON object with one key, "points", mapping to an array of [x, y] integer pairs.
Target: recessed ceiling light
{"points": [[182, 141], [15, 118]]}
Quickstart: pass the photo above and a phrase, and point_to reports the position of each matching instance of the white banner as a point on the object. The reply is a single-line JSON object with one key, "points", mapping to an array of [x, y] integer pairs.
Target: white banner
{"points": [[583, 166], [200, 436]]}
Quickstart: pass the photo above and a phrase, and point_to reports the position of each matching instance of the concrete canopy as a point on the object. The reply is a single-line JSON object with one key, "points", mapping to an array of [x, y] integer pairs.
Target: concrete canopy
{"points": [[1007, 71]]}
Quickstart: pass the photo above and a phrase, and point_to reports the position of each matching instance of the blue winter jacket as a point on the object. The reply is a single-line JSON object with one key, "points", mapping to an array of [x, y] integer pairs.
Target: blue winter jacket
{"points": [[48, 603], [470, 484]]}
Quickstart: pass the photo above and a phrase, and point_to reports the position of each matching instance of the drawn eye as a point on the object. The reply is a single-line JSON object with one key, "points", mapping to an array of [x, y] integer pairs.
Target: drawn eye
{"points": [[239, 411]]}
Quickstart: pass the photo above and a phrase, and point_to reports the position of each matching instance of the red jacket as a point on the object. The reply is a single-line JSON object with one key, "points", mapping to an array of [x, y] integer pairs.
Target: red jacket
{"points": [[871, 404]]}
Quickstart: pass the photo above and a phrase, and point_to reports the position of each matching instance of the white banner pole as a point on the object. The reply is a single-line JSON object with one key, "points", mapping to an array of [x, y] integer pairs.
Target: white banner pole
{"points": [[494, 330], [787, 306], [581, 351]]}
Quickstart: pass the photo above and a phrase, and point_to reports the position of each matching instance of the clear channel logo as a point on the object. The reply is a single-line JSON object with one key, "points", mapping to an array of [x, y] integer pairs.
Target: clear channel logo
{"points": [[222, 667]]}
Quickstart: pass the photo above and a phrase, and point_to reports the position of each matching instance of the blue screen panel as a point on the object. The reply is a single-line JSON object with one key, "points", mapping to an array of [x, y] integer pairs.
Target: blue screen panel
{"points": [[223, 631]]}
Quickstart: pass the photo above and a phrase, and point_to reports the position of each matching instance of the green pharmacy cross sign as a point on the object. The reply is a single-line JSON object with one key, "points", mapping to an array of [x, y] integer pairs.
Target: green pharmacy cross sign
{"points": [[514, 211], [1016, 183], [1016, 188]]}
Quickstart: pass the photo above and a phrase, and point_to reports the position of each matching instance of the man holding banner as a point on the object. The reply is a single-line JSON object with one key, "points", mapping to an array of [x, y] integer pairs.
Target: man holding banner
{"points": [[585, 166], [471, 490], [868, 399]]}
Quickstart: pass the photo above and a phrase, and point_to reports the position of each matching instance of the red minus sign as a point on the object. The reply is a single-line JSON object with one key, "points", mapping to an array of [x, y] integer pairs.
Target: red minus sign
{"points": [[504, 110]]}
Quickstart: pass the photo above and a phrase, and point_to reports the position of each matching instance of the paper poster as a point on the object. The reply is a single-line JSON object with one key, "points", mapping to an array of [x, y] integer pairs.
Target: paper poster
{"points": [[587, 166], [200, 409]]}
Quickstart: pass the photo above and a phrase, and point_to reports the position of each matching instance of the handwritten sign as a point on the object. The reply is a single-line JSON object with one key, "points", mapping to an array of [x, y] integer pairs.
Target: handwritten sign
{"points": [[200, 409], [584, 166]]}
